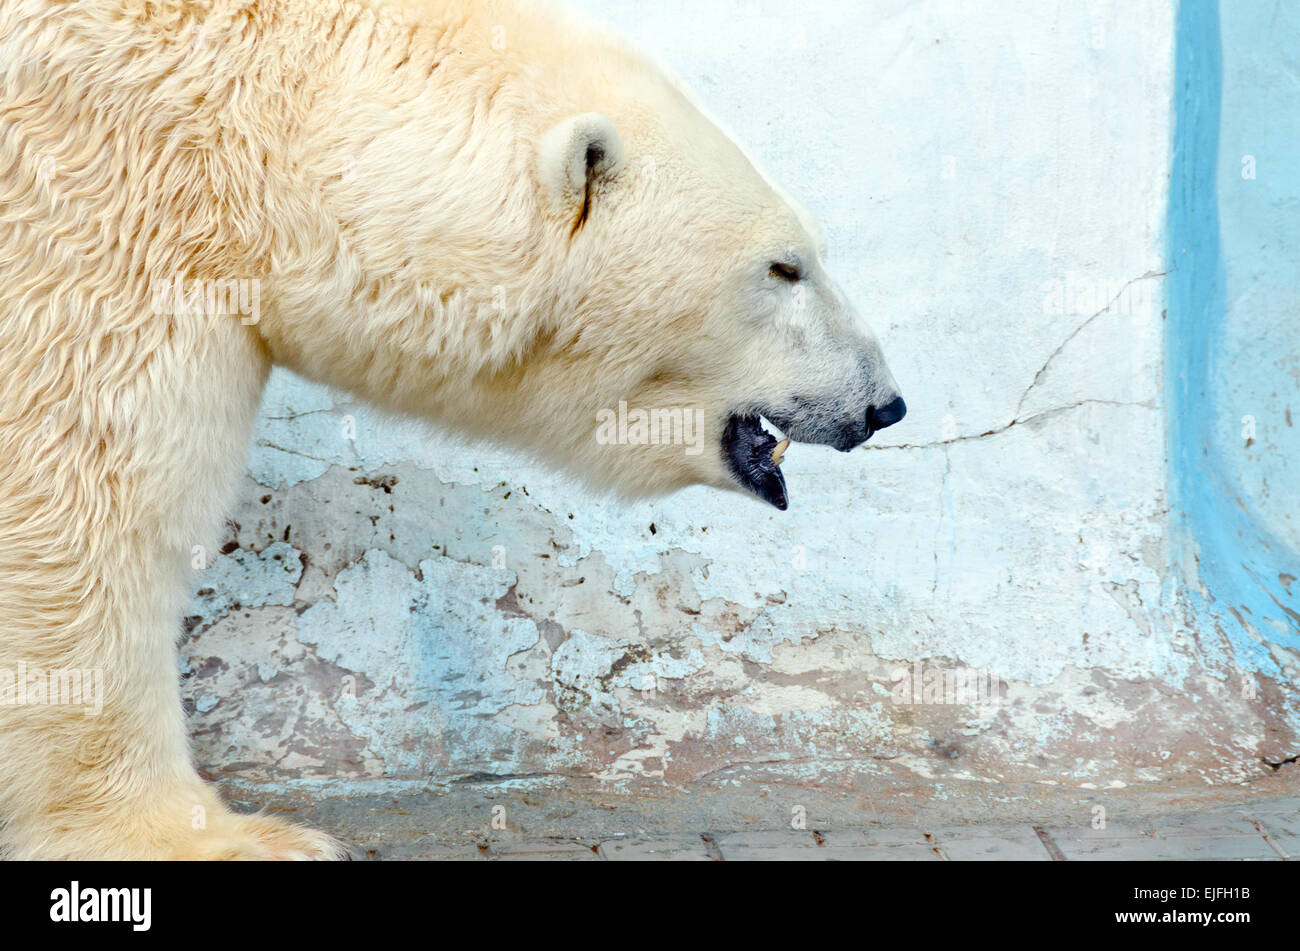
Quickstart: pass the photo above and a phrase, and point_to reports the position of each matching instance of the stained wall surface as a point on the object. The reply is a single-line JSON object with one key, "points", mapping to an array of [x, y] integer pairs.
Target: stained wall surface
{"points": [[395, 609]]}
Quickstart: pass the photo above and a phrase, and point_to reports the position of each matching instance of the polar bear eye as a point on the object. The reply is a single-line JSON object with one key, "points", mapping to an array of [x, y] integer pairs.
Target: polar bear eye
{"points": [[785, 272]]}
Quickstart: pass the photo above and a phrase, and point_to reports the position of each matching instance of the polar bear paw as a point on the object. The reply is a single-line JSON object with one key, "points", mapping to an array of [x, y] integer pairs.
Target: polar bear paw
{"points": [[258, 838], [219, 835]]}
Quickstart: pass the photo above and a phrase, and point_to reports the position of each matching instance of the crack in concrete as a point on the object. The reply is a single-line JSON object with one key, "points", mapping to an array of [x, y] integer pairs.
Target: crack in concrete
{"points": [[933, 843], [1018, 421], [1049, 844], [292, 452], [711, 847], [310, 412], [1268, 838], [1038, 377]]}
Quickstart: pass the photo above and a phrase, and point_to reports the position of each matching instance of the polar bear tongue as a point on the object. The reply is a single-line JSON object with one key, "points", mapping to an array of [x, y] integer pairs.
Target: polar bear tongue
{"points": [[753, 455]]}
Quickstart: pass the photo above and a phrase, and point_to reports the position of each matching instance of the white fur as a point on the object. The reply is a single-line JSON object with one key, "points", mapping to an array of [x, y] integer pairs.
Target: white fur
{"points": [[384, 170]]}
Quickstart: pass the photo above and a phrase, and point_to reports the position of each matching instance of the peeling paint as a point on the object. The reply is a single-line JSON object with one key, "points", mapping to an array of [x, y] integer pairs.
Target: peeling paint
{"points": [[394, 608]]}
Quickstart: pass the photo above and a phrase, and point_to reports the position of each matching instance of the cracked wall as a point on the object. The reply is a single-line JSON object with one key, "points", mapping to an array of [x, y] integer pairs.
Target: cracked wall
{"points": [[395, 609]]}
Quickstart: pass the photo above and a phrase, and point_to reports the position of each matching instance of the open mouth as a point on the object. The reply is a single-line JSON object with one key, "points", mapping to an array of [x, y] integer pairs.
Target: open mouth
{"points": [[754, 457]]}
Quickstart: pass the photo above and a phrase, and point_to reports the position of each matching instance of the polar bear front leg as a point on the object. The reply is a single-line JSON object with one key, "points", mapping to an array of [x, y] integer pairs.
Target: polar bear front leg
{"points": [[119, 784], [118, 463]]}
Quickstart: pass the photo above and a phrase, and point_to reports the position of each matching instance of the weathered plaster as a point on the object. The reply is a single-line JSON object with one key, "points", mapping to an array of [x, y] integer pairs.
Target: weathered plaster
{"points": [[398, 609]]}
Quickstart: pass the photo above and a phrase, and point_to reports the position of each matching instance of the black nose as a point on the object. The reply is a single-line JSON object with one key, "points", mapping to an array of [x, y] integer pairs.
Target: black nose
{"points": [[883, 417]]}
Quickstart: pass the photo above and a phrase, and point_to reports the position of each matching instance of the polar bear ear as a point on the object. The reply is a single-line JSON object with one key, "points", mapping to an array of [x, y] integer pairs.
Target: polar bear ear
{"points": [[574, 156]]}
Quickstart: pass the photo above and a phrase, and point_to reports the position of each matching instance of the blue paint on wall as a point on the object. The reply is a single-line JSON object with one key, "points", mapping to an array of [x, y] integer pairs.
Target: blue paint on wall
{"points": [[1237, 570]]}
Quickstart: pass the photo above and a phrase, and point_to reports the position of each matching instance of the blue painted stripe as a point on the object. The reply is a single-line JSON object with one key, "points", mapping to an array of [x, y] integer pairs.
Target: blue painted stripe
{"points": [[1233, 572]]}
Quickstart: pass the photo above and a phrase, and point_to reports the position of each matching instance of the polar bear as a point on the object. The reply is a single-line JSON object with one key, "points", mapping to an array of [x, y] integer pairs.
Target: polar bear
{"points": [[492, 215]]}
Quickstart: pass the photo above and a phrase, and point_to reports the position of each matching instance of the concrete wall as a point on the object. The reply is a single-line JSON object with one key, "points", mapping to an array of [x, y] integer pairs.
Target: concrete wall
{"points": [[395, 609]]}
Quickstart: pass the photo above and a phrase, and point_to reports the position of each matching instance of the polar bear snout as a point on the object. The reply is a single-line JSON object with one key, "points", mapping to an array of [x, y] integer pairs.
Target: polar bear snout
{"points": [[883, 416], [880, 414], [849, 407]]}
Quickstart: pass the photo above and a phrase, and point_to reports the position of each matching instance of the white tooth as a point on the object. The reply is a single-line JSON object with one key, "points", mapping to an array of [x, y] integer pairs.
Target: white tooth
{"points": [[779, 452]]}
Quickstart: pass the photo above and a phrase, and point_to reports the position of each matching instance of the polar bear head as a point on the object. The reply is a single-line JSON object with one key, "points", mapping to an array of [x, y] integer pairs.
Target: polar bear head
{"points": [[528, 232]]}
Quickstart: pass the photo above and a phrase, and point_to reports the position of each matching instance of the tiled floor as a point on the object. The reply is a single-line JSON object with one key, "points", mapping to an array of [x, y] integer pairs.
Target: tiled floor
{"points": [[1232, 834], [761, 819]]}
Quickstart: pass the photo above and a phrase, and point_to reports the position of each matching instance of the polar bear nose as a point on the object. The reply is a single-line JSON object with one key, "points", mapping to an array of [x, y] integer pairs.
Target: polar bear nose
{"points": [[882, 417]]}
